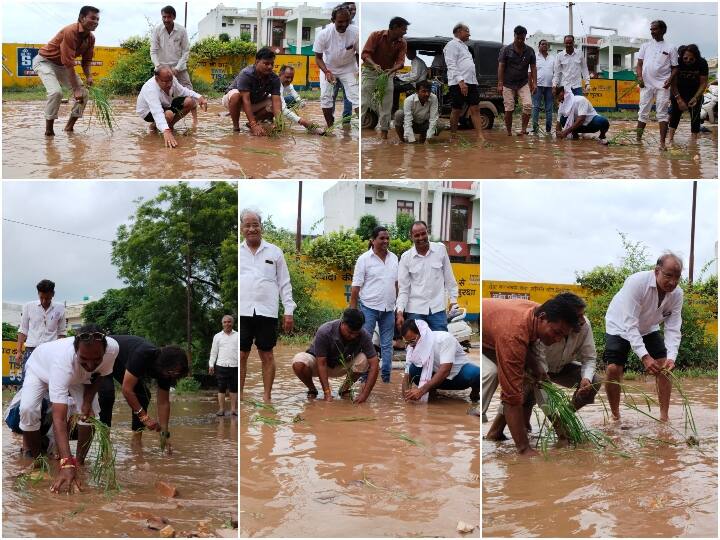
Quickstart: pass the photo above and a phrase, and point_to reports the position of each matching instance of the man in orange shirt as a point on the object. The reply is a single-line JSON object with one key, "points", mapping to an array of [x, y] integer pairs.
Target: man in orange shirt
{"points": [[55, 65], [509, 328]]}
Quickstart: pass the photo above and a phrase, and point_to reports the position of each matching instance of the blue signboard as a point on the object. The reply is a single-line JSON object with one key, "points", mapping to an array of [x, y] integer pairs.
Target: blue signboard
{"points": [[25, 57]]}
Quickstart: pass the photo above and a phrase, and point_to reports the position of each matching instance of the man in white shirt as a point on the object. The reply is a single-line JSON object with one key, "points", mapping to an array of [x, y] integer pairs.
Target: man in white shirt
{"points": [[163, 101], [424, 276], [336, 53], [462, 79], [545, 64], [292, 102], [170, 47], [70, 371], [263, 276], [577, 115], [632, 322], [40, 323], [375, 285], [656, 67], [571, 68], [419, 115], [224, 364], [406, 81]]}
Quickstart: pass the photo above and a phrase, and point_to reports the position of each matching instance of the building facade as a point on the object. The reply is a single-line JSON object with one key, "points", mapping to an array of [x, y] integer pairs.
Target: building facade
{"points": [[453, 209]]}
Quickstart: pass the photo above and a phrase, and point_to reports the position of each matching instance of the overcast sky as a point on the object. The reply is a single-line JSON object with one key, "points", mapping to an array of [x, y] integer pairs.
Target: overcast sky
{"points": [[37, 22], [279, 200], [78, 266], [485, 19], [544, 231]]}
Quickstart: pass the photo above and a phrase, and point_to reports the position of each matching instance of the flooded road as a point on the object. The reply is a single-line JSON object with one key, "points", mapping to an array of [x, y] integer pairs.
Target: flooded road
{"points": [[203, 467], [660, 491], [539, 156], [212, 151], [332, 474]]}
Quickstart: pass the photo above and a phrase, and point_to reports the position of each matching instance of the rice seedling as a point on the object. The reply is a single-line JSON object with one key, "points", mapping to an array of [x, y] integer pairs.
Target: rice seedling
{"points": [[687, 410], [101, 108], [381, 86], [405, 437], [395, 492], [338, 123], [625, 137], [102, 469], [37, 472], [260, 405], [464, 143], [259, 151], [267, 420], [347, 385], [279, 126]]}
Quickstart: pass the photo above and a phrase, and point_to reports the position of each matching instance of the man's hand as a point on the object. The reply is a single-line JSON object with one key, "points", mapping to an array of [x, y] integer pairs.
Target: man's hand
{"points": [[667, 83], [692, 102], [66, 480], [641, 83], [148, 421], [170, 141], [463, 88], [669, 364], [360, 398], [561, 134], [203, 103], [399, 319], [330, 77], [257, 130], [211, 370], [585, 386], [327, 396], [500, 88], [533, 87], [413, 394], [78, 94], [288, 323], [650, 364], [587, 86], [89, 80], [682, 105], [175, 71], [86, 411]]}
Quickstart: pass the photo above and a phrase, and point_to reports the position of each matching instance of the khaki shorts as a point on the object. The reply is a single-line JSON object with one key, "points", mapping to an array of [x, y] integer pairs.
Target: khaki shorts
{"points": [[226, 97], [359, 364], [523, 93]]}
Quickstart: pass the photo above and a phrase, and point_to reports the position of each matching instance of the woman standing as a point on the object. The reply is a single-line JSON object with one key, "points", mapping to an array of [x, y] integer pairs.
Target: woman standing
{"points": [[688, 87]]}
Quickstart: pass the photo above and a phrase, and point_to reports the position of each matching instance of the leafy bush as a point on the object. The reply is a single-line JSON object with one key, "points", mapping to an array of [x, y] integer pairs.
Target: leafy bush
{"points": [[245, 36], [211, 48], [398, 246], [401, 229], [224, 37], [9, 331], [367, 223], [131, 70], [187, 385], [337, 249], [135, 43]]}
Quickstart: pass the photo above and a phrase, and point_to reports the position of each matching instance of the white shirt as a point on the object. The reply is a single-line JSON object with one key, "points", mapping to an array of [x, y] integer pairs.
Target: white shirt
{"points": [[55, 364], [545, 69], [423, 280], [634, 312], [581, 106], [417, 73], [264, 275], [570, 69], [577, 346], [41, 326], [338, 48], [460, 64], [415, 111], [659, 57], [224, 350], [170, 49], [151, 100], [446, 350], [289, 90], [376, 279]]}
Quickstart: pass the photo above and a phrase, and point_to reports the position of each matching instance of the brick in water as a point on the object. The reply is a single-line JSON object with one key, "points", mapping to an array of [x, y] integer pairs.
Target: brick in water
{"points": [[168, 490], [167, 532]]}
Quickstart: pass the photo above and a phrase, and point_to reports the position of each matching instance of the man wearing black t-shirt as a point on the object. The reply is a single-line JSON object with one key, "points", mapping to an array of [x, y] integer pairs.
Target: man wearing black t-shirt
{"points": [[137, 360]]}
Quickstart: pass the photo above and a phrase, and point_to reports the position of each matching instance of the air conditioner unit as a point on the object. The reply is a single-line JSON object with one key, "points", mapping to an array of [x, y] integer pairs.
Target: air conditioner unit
{"points": [[381, 195]]}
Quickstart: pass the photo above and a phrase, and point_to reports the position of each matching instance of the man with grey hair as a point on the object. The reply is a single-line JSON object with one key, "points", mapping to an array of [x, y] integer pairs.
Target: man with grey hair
{"points": [[264, 276], [224, 364], [633, 320]]}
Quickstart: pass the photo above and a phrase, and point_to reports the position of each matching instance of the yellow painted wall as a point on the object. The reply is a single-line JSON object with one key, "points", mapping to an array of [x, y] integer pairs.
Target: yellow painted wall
{"points": [[11, 371], [602, 93], [537, 292], [628, 93]]}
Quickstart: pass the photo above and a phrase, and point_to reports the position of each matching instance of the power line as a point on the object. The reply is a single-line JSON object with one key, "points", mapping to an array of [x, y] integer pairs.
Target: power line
{"points": [[57, 231], [665, 10]]}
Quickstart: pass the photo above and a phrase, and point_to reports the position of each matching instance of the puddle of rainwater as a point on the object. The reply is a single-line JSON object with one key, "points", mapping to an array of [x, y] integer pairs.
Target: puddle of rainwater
{"points": [[539, 157], [203, 467], [325, 477], [211, 151], [661, 491]]}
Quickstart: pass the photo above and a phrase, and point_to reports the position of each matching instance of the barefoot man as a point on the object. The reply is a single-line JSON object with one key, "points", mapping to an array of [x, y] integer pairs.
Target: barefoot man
{"points": [[633, 320], [55, 65]]}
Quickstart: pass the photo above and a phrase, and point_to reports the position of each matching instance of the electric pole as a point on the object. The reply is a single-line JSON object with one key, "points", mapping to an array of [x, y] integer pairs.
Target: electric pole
{"points": [[258, 39], [185, 25], [692, 235], [298, 226], [502, 39], [570, 18]]}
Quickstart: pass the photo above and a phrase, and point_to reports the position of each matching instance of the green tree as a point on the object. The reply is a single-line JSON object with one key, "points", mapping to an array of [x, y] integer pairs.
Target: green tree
{"points": [[9, 331], [224, 37], [245, 36], [338, 249], [401, 229], [152, 253], [111, 312], [366, 225]]}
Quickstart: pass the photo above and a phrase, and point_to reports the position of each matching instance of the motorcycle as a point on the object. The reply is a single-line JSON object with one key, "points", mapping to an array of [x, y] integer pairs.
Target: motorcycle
{"points": [[709, 110]]}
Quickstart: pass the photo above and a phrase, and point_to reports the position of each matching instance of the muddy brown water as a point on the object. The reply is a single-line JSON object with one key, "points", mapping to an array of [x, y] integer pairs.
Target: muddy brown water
{"points": [[539, 156], [661, 491], [211, 151], [203, 467], [306, 479]]}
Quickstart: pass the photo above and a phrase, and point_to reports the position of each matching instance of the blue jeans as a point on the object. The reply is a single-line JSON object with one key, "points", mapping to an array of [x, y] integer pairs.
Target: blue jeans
{"points": [[598, 123], [577, 91], [544, 93], [347, 104], [386, 324], [289, 100], [468, 377], [436, 321]]}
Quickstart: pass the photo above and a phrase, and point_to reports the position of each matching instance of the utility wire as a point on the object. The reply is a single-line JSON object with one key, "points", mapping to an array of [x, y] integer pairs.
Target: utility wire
{"points": [[499, 254], [659, 9], [57, 231]]}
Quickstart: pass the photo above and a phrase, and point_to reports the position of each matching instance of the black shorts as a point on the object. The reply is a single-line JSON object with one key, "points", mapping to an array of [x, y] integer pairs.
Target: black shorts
{"points": [[458, 100], [260, 330], [176, 106], [617, 348], [227, 379]]}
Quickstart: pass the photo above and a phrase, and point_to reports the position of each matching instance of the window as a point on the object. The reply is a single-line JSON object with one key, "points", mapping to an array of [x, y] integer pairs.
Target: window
{"points": [[368, 200], [406, 207], [458, 223], [429, 219], [278, 34], [306, 33], [224, 25]]}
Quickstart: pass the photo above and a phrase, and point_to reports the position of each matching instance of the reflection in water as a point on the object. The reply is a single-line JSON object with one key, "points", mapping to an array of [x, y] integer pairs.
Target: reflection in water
{"points": [[662, 490], [203, 467], [213, 151], [539, 157], [321, 477]]}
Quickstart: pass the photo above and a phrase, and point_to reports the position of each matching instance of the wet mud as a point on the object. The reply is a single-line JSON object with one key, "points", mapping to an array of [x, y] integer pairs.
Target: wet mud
{"points": [[661, 490], [213, 150], [343, 470], [203, 467], [534, 156]]}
